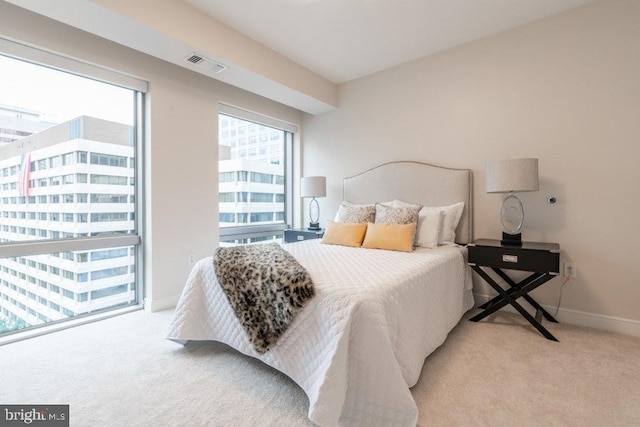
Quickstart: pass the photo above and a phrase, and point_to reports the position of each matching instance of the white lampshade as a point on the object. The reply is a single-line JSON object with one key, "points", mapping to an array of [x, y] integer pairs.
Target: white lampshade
{"points": [[313, 186], [505, 176]]}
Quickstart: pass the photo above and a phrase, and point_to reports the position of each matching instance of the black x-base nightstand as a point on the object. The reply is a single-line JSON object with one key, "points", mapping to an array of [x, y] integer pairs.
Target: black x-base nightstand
{"points": [[541, 259]]}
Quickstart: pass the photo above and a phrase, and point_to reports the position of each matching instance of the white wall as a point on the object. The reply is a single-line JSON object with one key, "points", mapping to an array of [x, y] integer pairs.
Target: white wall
{"points": [[565, 90], [181, 144]]}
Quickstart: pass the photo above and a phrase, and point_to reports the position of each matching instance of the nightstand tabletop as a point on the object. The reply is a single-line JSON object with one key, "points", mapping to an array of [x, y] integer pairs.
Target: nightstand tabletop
{"points": [[536, 246]]}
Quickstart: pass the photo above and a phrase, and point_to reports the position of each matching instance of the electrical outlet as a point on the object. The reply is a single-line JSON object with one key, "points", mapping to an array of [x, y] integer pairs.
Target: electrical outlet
{"points": [[191, 259], [569, 270]]}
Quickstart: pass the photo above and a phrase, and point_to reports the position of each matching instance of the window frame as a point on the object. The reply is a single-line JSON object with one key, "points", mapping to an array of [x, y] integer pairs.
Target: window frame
{"points": [[22, 52]]}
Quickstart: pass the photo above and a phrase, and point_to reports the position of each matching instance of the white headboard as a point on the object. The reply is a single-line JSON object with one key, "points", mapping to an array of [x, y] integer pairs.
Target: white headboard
{"points": [[418, 183]]}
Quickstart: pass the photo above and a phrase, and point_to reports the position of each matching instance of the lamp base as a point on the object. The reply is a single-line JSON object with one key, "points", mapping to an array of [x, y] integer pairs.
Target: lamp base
{"points": [[511, 239], [314, 215]]}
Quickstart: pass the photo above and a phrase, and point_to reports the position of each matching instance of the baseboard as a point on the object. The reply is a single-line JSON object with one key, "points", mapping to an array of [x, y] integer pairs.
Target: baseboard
{"points": [[159, 304], [581, 318]]}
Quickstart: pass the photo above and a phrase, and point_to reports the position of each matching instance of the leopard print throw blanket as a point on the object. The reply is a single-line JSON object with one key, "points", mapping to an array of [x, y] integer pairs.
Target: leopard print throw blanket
{"points": [[265, 286]]}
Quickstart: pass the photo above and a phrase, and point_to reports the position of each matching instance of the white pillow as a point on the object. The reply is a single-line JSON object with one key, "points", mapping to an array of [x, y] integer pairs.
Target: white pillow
{"points": [[429, 229], [452, 215]]}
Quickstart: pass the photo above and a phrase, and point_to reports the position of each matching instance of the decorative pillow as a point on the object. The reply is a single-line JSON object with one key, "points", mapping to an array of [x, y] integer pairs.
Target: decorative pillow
{"points": [[393, 237], [344, 233], [348, 212], [452, 215], [392, 215]]}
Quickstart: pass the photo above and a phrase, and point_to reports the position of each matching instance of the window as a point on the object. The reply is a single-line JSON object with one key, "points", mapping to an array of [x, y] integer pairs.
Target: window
{"points": [[67, 159], [64, 181], [227, 197], [108, 217], [263, 178], [108, 180], [108, 254], [261, 217], [243, 218], [226, 217], [108, 160], [261, 168], [262, 197], [109, 272], [107, 292], [108, 198], [227, 176]]}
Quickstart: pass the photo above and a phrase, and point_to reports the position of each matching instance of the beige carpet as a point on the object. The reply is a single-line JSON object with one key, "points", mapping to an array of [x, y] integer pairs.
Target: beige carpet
{"points": [[122, 372]]}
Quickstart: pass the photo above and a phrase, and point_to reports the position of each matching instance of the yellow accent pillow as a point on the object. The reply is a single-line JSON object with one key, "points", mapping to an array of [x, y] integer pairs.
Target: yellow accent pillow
{"points": [[394, 237], [344, 233]]}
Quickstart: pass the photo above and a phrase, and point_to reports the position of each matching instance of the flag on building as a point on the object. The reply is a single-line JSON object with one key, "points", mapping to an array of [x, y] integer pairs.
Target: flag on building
{"points": [[25, 175]]}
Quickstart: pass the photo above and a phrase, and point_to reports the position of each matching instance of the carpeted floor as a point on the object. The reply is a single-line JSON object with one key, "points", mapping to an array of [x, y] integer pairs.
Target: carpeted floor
{"points": [[122, 372]]}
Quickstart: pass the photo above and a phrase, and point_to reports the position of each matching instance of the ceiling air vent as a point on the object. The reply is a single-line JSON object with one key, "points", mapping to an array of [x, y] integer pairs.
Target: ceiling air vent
{"points": [[206, 63]]}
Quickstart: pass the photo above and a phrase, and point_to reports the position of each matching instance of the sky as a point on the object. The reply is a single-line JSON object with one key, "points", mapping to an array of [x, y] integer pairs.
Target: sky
{"points": [[61, 96]]}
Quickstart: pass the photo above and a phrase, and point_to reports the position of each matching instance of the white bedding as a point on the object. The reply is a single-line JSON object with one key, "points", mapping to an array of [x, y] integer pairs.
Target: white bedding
{"points": [[360, 343]]}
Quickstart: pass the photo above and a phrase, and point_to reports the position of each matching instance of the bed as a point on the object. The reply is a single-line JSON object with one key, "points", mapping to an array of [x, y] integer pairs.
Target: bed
{"points": [[360, 343]]}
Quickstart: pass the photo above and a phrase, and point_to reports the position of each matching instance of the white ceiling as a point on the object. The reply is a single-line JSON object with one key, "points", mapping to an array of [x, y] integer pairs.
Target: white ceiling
{"points": [[345, 39], [294, 52]]}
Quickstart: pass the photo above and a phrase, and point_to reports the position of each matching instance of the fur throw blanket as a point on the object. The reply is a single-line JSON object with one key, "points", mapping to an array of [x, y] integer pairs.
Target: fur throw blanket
{"points": [[266, 288]]}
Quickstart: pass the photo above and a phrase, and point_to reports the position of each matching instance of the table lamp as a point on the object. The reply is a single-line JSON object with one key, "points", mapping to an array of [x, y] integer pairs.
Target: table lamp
{"points": [[313, 186], [512, 176]]}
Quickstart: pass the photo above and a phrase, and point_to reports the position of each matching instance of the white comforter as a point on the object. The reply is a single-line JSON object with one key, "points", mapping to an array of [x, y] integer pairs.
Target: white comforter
{"points": [[360, 343]]}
